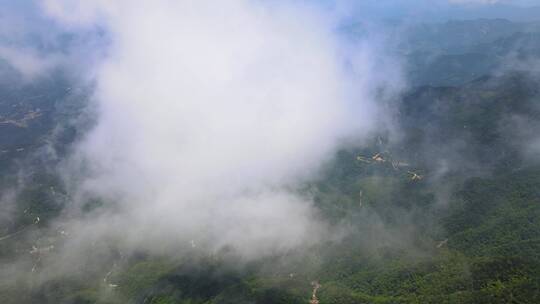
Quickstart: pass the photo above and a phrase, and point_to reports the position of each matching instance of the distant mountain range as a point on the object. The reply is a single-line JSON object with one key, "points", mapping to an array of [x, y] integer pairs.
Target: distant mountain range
{"points": [[457, 52]]}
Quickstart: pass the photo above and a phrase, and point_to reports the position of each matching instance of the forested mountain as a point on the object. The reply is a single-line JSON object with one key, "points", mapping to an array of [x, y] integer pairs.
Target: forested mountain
{"points": [[441, 205]]}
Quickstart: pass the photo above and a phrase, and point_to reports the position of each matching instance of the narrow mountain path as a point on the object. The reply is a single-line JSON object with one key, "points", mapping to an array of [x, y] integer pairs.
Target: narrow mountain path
{"points": [[316, 286]]}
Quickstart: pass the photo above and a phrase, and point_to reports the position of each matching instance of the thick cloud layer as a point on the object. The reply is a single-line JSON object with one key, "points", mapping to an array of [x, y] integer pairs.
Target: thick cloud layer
{"points": [[210, 115]]}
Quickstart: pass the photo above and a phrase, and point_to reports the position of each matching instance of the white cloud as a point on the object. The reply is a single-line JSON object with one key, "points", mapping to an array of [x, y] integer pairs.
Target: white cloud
{"points": [[209, 113], [27, 61]]}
